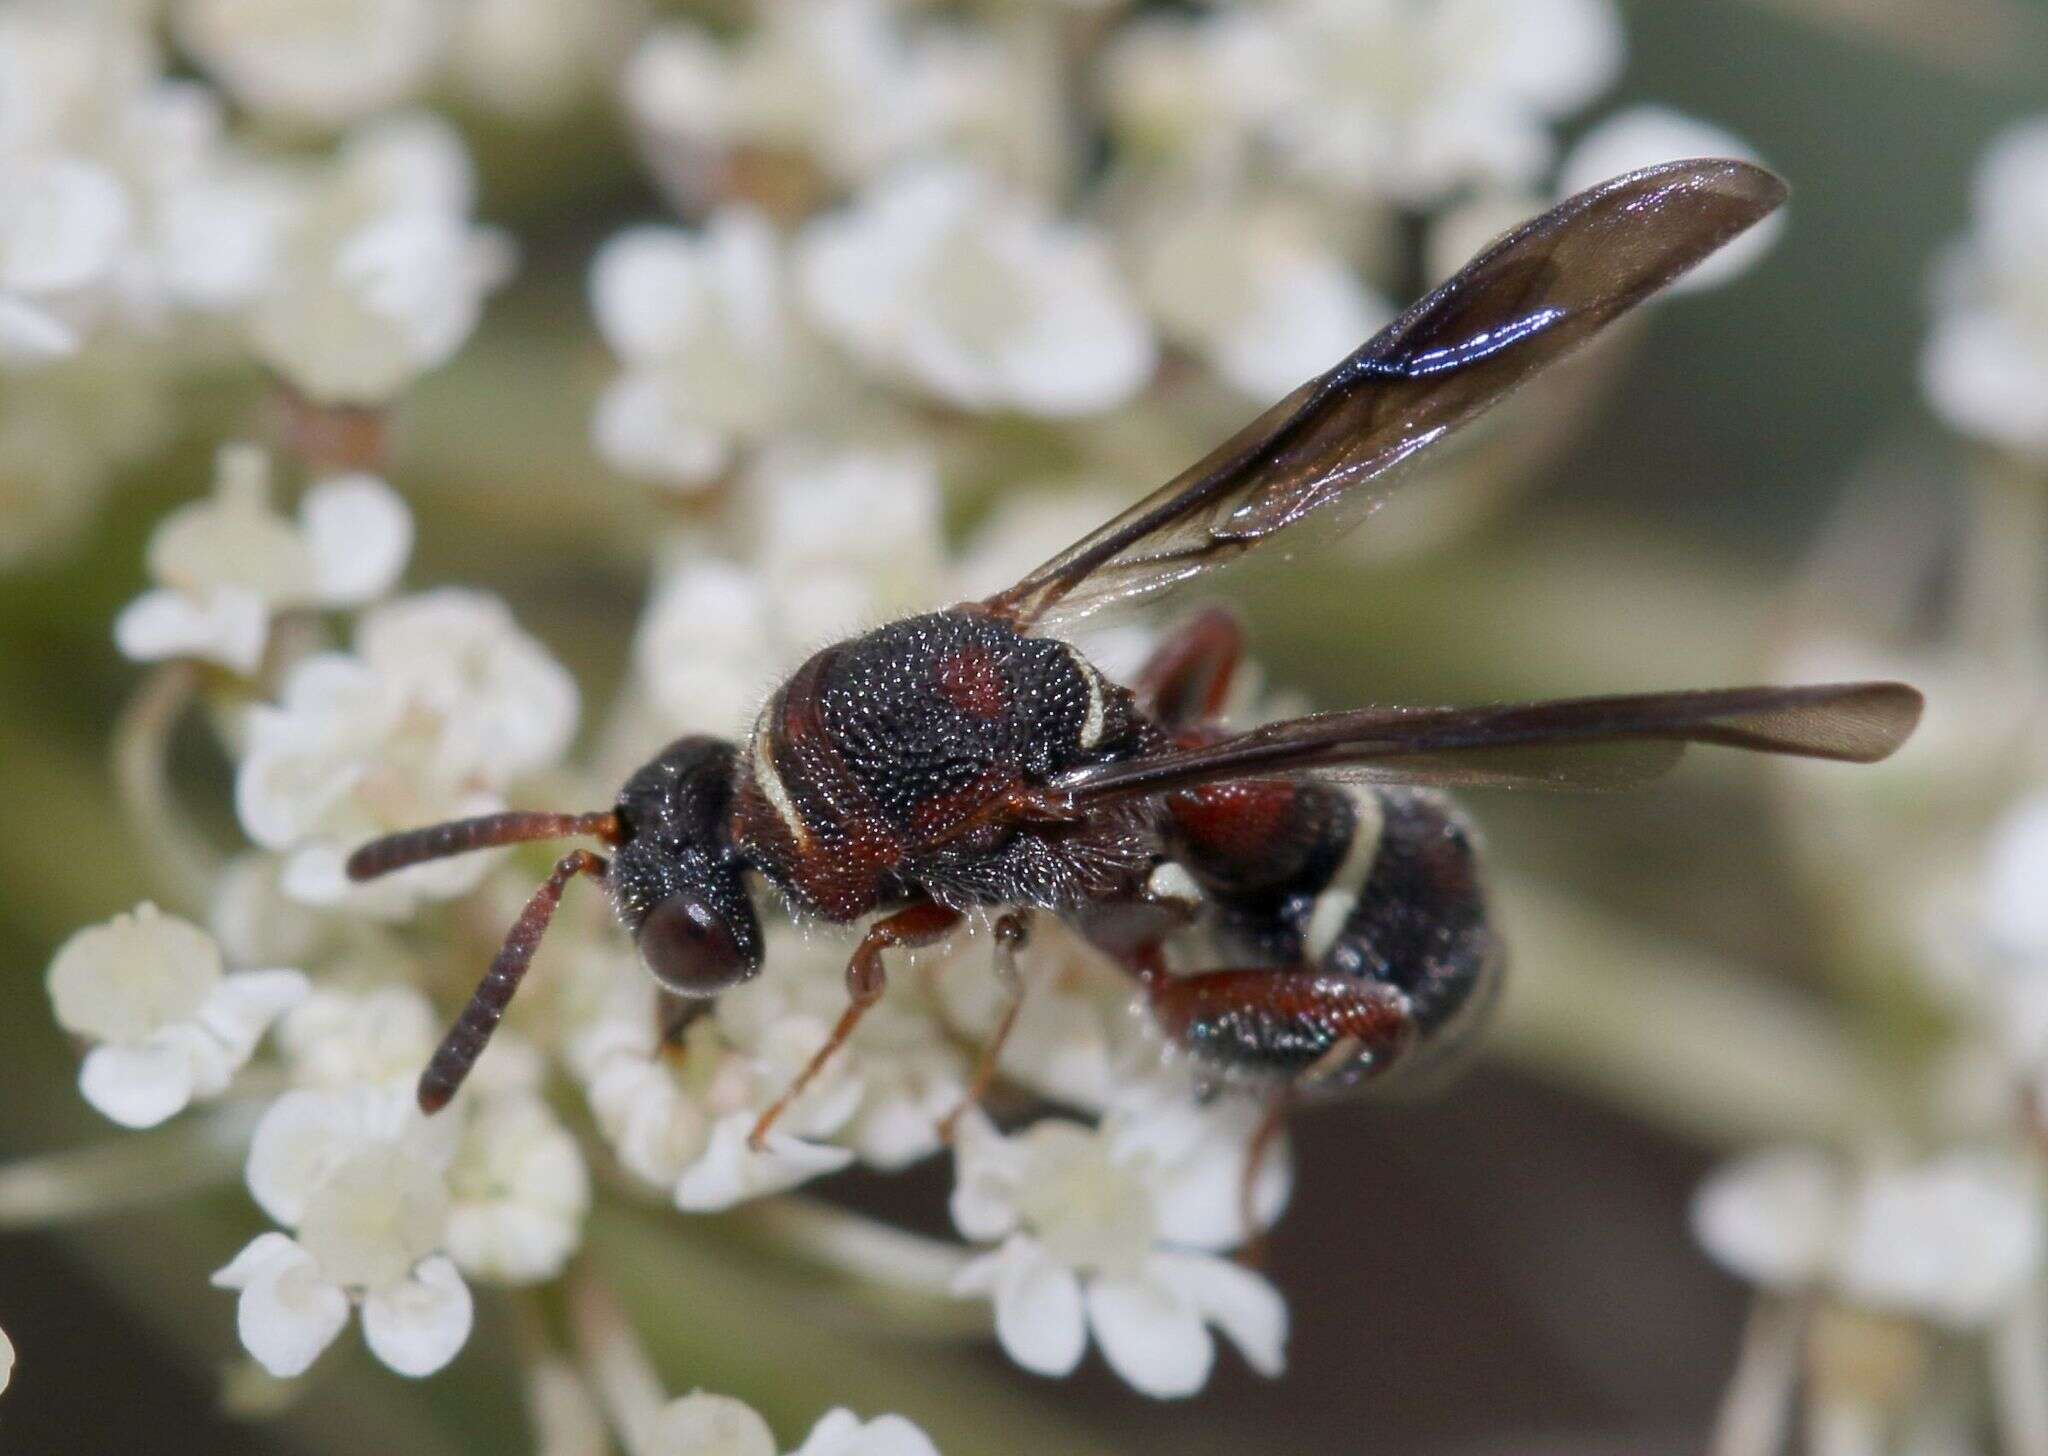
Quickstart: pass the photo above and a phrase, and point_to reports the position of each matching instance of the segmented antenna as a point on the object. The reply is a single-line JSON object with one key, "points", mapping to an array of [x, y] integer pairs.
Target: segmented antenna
{"points": [[472, 1030], [486, 831]]}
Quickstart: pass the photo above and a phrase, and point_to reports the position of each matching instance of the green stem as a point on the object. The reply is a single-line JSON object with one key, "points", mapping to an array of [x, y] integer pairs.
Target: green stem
{"points": [[181, 864], [196, 1152]]}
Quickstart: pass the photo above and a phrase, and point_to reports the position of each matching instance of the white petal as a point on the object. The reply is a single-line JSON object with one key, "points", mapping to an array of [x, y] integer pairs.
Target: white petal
{"points": [[1771, 1217], [416, 1325], [227, 625], [33, 335], [359, 533], [1243, 1305], [1037, 1305], [244, 1005], [842, 1433], [6, 1360], [138, 1084], [1955, 1239], [701, 1424], [1151, 1336], [640, 429], [986, 1168], [287, 1313], [730, 1172], [302, 1136]]}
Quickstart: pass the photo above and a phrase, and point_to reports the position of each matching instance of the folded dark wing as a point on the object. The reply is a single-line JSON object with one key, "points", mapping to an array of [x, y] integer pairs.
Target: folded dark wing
{"points": [[1528, 300], [1602, 742]]}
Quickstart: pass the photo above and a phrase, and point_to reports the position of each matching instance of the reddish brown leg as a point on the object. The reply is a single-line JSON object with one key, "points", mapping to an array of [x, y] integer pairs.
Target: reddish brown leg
{"points": [[465, 1040], [1188, 675], [913, 925], [1011, 931]]}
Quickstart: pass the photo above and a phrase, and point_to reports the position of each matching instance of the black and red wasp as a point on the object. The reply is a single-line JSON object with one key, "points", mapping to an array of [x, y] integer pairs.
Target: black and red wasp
{"points": [[968, 760]]}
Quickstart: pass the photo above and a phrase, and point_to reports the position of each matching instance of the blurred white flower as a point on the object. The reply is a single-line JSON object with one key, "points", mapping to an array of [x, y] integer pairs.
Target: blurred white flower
{"points": [[360, 1175], [698, 320], [1953, 1239], [63, 225], [845, 539], [533, 59], [443, 703], [832, 81], [1772, 1217], [701, 1424], [324, 62], [226, 565], [6, 1361], [1195, 87], [2015, 882], [1110, 1229], [383, 275], [1410, 100], [169, 1025], [941, 278], [1252, 285], [1985, 368], [518, 1191], [1642, 136]]}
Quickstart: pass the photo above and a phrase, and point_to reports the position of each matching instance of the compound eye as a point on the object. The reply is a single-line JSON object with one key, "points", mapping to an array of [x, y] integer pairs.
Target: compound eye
{"points": [[691, 947]]}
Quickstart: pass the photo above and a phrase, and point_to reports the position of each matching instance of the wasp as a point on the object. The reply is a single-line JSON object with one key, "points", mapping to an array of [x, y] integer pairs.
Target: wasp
{"points": [[972, 761]]}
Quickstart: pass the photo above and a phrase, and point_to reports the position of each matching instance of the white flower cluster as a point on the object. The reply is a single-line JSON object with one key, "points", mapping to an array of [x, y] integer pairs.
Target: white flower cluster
{"points": [[1986, 365], [892, 211]]}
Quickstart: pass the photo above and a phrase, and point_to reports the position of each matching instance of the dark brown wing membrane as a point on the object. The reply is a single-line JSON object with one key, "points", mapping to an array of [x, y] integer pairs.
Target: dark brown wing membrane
{"points": [[1571, 743], [1527, 301]]}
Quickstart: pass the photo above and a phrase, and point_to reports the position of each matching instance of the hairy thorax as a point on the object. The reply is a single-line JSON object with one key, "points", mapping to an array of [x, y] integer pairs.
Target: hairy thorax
{"points": [[904, 763]]}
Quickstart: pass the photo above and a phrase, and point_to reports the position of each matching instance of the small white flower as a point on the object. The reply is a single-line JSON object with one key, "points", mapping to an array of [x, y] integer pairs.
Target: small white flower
{"points": [[1955, 1239], [1986, 364], [2015, 884], [443, 703], [845, 538], [321, 61], [383, 275], [679, 1117], [1194, 86], [1110, 1230], [170, 1025], [1253, 286], [1410, 100], [833, 81], [940, 277], [702, 1424], [361, 1176], [380, 1036], [63, 224], [1772, 1217], [533, 59], [227, 564], [1643, 136], [518, 1190], [6, 1360], [699, 322]]}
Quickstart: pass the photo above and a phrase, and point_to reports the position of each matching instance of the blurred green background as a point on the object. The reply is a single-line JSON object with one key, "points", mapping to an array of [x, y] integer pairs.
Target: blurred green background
{"points": [[1504, 1268]]}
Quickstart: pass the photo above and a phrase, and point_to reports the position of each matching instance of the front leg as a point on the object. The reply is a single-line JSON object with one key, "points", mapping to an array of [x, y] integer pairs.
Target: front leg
{"points": [[912, 926]]}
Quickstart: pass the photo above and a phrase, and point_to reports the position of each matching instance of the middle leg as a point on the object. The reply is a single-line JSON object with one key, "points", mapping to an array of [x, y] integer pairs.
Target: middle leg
{"points": [[912, 926]]}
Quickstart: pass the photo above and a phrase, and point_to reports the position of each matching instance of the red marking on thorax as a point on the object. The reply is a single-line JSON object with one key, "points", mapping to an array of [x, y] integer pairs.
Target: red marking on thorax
{"points": [[972, 681]]}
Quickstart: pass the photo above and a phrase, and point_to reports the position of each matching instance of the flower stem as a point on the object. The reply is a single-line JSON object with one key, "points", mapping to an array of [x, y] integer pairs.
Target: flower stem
{"points": [[1758, 1402], [196, 1152], [615, 1362], [181, 864], [860, 1246], [2019, 1376]]}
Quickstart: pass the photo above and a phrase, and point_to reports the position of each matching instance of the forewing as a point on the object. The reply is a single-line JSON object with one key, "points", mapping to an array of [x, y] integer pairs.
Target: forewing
{"points": [[1602, 742], [1526, 301]]}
